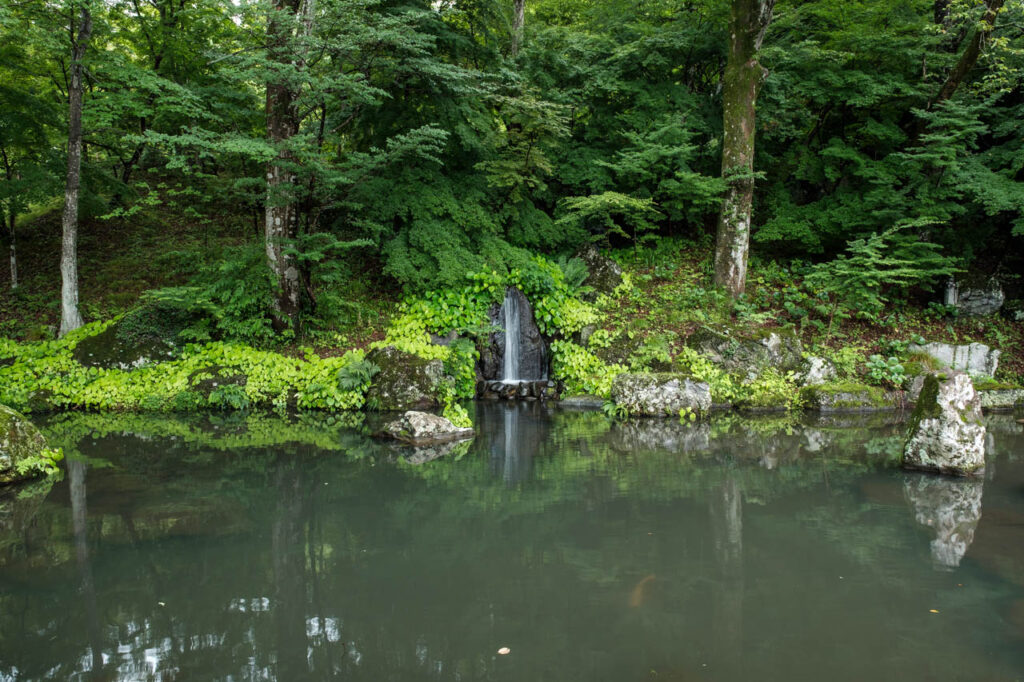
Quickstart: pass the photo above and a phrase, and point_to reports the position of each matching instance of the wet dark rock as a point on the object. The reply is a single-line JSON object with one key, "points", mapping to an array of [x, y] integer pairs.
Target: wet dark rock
{"points": [[533, 348], [20, 440], [604, 274], [405, 381], [976, 297], [946, 434], [111, 350]]}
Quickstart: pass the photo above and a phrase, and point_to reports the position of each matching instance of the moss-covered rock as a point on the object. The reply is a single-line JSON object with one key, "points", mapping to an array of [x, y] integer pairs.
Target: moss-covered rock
{"points": [[404, 382], [113, 349], [20, 445], [846, 396], [770, 348], [604, 274], [946, 434]]}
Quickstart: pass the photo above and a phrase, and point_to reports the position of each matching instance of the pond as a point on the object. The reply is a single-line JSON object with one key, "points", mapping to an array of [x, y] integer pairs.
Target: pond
{"points": [[266, 548]]}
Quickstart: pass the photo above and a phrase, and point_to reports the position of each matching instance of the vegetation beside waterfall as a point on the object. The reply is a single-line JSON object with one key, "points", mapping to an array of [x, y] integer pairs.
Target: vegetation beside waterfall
{"points": [[259, 195]]}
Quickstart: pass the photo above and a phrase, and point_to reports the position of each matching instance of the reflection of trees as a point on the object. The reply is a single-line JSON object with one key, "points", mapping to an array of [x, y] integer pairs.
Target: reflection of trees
{"points": [[79, 518], [726, 511], [423, 571]]}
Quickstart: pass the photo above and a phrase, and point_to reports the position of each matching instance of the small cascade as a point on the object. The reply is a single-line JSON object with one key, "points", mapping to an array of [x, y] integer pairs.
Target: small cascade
{"points": [[514, 364], [510, 368]]}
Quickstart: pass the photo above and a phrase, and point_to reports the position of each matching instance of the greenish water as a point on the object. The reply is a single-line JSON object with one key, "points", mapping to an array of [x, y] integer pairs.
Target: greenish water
{"points": [[269, 549]]}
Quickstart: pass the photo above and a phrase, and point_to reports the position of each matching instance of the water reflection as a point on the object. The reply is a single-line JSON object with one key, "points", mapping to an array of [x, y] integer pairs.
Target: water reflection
{"points": [[594, 551], [951, 507]]}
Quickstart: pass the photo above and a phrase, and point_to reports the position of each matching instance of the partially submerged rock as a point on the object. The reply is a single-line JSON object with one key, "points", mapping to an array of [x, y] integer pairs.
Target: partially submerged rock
{"points": [[20, 443], [846, 397], [662, 394], [976, 359], [779, 349], [1002, 398], [423, 428], [946, 434], [405, 381]]}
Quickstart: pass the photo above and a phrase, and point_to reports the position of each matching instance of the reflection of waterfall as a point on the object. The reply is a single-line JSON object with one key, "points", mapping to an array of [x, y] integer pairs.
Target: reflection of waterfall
{"points": [[511, 444], [510, 369], [517, 434], [949, 506]]}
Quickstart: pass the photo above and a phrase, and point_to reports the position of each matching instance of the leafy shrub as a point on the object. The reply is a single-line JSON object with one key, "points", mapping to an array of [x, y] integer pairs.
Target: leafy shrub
{"points": [[582, 371]]}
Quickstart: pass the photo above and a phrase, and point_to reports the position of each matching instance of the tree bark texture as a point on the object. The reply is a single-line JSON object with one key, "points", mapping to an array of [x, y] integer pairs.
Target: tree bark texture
{"points": [[13, 250], [741, 83], [281, 219], [70, 317], [518, 21]]}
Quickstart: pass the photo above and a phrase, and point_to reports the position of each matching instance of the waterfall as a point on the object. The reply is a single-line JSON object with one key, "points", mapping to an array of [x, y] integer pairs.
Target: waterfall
{"points": [[510, 370]]}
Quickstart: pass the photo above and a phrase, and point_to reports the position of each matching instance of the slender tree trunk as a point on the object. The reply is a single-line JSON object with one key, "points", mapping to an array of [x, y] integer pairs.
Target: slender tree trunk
{"points": [[13, 249], [969, 57], [518, 21], [741, 83], [70, 317], [281, 218]]}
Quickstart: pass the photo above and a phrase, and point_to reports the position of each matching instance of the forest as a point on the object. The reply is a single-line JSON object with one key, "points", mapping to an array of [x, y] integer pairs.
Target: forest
{"points": [[293, 183]]}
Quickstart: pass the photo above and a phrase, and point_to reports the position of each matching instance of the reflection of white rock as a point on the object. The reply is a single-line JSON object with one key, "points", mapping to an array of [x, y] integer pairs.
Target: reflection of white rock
{"points": [[950, 507], [815, 440]]}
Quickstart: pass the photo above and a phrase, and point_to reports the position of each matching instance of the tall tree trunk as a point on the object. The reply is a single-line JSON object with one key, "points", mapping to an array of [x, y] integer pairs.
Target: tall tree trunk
{"points": [[70, 317], [969, 57], [281, 219], [13, 249], [741, 83], [518, 21]]}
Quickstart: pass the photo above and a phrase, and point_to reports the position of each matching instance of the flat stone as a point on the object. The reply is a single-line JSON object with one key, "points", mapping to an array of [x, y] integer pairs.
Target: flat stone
{"points": [[976, 359]]}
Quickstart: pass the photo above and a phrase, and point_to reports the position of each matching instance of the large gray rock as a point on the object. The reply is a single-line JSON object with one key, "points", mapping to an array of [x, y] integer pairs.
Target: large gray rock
{"points": [[951, 508], [816, 371], [777, 349], [533, 349], [977, 298], [405, 381], [1002, 398], [976, 359], [604, 274], [946, 433], [660, 395], [20, 441], [423, 428]]}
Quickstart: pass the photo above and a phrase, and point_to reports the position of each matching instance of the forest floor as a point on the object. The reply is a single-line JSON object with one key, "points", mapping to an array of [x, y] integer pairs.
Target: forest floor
{"points": [[121, 258]]}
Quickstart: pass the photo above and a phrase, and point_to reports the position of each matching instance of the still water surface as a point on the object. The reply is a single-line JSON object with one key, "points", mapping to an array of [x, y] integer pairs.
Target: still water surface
{"points": [[259, 548]]}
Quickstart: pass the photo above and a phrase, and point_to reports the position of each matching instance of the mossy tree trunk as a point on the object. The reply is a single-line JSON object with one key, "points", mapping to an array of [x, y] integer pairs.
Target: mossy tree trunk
{"points": [[518, 20], [741, 83], [287, 18], [70, 317]]}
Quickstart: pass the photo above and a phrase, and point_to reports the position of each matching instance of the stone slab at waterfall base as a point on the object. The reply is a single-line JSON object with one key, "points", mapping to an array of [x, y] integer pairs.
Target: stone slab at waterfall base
{"points": [[423, 428], [946, 434], [660, 395]]}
